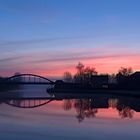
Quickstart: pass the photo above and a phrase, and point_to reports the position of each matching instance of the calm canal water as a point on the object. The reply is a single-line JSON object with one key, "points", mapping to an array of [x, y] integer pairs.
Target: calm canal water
{"points": [[99, 117]]}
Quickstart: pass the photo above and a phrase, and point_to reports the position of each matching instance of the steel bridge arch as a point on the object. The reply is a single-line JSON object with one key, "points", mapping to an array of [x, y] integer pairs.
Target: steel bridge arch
{"points": [[34, 75]]}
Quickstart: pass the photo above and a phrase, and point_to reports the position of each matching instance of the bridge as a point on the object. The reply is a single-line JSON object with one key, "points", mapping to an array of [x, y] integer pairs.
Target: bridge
{"points": [[28, 79]]}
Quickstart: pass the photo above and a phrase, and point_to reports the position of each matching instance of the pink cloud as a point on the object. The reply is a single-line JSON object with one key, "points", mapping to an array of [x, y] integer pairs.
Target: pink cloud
{"points": [[106, 59]]}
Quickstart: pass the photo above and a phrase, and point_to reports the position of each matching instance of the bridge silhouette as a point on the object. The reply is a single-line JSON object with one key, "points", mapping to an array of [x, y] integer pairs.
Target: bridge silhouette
{"points": [[28, 79]]}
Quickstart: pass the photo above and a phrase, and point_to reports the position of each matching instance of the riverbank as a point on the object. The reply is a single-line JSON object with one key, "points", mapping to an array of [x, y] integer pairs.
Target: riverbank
{"points": [[58, 93]]}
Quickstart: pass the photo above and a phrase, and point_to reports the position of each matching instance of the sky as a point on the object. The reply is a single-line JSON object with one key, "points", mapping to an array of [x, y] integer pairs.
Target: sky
{"points": [[49, 37]]}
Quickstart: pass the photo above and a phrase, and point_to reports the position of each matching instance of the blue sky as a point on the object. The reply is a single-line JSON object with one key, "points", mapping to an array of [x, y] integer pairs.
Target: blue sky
{"points": [[40, 36]]}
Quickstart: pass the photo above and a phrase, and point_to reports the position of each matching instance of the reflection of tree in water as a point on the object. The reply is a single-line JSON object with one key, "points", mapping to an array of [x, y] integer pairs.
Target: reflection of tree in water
{"points": [[125, 111], [113, 103], [127, 106], [67, 104], [87, 108], [124, 107], [83, 108]]}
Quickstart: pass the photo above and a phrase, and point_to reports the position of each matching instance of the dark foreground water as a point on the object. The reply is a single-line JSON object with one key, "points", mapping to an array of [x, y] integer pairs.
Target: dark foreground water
{"points": [[98, 117]]}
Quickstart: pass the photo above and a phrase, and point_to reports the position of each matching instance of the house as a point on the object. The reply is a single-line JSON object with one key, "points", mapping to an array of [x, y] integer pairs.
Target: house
{"points": [[134, 80], [99, 81]]}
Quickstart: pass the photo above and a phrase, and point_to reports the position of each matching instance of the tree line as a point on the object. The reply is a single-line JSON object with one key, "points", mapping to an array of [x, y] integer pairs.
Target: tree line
{"points": [[84, 74]]}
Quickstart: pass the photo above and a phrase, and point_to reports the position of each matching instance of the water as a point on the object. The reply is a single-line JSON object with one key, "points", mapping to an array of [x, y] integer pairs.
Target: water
{"points": [[29, 91], [71, 119]]}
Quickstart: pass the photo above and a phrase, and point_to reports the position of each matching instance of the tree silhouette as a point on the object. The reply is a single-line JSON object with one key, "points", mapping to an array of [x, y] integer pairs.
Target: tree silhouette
{"points": [[125, 71], [126, 112], [78, 77], [90, 71], [122, 76], [67, 77], [84, 109], [67, 104], [80, 68], [84, 74]]}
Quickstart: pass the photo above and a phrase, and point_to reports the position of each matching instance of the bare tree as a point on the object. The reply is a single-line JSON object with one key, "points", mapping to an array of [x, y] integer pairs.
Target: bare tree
{"points": [[80, 68], [67, 76], [84, 74], [125, 71], [123, 75], [90, 71]]}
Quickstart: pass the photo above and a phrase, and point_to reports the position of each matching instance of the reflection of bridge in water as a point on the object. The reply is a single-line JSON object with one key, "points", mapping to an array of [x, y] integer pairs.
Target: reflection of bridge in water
{"points": [[85, 107], [27, 103], [28, 79]]}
